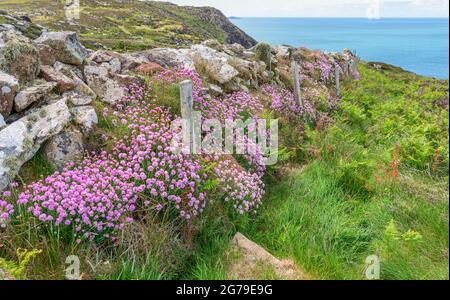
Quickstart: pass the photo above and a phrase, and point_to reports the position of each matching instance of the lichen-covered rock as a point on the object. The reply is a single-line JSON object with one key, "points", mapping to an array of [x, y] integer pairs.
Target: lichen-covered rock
{"points": [[113, 66], [20, 58], [99, 80], [77, 98], [8, 88], [167, 57], [101, 56], [64, 83], [21, 24], [46, 54], [64, 148], [32, 94], [68, 70], [66, 46], [77, 76], [20, 141], [85, 116], [282, 51], [215, 64]]}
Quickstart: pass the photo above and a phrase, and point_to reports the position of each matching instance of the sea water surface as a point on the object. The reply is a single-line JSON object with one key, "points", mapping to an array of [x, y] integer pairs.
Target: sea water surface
{"points": [[417, 45]]}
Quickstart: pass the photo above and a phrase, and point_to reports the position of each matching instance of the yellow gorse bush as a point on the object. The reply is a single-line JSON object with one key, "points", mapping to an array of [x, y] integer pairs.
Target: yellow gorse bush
{"points": [[18, 270]]}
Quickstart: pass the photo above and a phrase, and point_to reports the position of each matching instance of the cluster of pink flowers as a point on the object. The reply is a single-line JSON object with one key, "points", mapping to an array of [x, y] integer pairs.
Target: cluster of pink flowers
{"points": [[233, 106], [104, 193], [243, 189], [283, 101], [6, 208]]}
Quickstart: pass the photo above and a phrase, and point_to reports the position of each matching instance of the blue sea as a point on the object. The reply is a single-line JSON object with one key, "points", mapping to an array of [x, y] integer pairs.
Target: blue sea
{"points": [[417, 45]]}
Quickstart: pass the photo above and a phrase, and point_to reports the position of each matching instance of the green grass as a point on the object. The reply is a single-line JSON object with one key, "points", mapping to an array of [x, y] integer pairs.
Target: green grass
{"points": [[338, 209]]}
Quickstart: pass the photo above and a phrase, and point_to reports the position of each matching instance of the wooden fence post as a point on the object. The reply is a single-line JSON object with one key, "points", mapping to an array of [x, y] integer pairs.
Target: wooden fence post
{"points": [[338, 79], [354, 66], [187, 103], [296, 78]]}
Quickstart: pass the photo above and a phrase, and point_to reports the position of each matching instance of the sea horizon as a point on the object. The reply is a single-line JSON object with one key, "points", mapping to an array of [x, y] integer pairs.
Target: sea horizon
{"points": [[419, 45]]}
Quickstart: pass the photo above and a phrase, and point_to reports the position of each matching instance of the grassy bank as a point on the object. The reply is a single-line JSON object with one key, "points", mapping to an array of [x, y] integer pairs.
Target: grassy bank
{"points": [[376, 184]]}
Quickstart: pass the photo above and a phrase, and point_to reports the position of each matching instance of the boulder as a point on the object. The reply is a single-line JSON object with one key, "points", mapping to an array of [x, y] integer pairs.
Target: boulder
{"points": [[68, 70], [101, 56], [85, 116], [77, 76], [8, 88], [20, 58], [64, 83], [20, 141], [65, 147], [251, 260], [66, 46], [215, 64], [32, 94], [282, 52], [215, 90], [77, 98], [99, 80], [167, 58]]}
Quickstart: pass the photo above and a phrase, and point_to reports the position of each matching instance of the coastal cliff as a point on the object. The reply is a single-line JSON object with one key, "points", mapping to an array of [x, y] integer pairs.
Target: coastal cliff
{"points": [[127, 25]]}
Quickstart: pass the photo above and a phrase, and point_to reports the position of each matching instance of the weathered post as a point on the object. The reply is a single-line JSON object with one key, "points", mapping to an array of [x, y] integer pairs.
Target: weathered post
{"points": [[296, 78], [187, 103], [347, 68], [338, 79], [354, 66]]}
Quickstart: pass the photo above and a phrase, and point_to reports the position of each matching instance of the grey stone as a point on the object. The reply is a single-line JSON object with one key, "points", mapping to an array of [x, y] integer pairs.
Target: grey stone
{"points": [[66, 46], [85, 116], [20, 141], [65, 147], [8, 88], [32, 94]]}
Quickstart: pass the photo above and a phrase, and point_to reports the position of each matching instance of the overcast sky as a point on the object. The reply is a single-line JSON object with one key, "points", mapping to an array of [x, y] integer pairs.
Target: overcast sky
{"points": [[326, 8]]}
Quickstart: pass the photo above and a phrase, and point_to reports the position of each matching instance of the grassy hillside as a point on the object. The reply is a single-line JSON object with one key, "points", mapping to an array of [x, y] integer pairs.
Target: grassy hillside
{"points": [[375, 184], [127, 25]]}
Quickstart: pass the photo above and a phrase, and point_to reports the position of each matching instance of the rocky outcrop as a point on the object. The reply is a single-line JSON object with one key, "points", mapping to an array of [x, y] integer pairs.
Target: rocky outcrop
{"points": [[21, 24], [23, 138], [214, 63], [217, 18], [65, 46]]}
